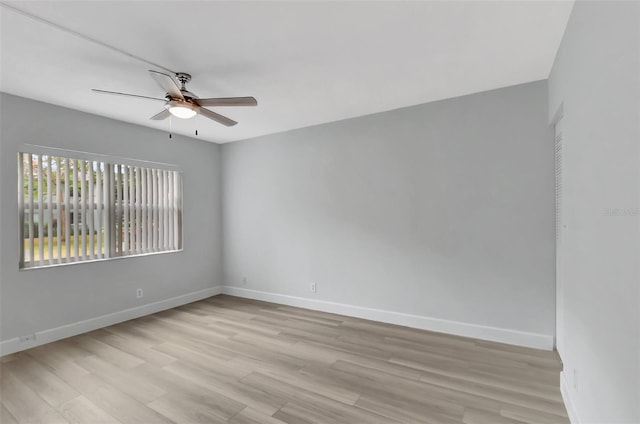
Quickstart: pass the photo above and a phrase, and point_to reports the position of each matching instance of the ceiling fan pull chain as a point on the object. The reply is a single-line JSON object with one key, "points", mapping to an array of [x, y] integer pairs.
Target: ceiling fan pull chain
{"points": [[196, 122], [170, 130]]}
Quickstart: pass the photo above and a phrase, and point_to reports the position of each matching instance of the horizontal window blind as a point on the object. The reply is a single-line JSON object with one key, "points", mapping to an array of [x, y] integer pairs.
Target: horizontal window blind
{"points": [[74, 210]]}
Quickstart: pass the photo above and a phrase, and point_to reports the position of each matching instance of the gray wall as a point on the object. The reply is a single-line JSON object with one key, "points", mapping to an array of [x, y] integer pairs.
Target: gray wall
{"points": [[444, 210], [40, 299], [596, 76]]}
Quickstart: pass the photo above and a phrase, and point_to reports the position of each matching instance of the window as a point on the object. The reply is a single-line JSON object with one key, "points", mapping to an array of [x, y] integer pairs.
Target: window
{"points": [[74, 210]]}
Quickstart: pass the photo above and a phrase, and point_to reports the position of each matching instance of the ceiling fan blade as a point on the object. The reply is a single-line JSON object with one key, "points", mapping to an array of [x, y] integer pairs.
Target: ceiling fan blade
{"points": [[168, 84], [216, 117], [160, 116], [125, 94], [227, 101]]}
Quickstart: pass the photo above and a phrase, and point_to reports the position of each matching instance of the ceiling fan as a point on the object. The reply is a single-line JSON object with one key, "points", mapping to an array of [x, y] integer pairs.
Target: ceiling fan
{"points": [[182, 103]]}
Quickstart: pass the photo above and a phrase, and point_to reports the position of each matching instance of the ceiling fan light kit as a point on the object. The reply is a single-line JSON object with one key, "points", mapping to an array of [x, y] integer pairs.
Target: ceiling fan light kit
{"points": [[183, 104], [183, 110]]}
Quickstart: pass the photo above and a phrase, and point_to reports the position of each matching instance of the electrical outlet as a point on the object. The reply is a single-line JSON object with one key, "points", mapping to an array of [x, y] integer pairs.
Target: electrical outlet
{"points": [[139, 293], [575, 380], [27, 338], [313, 287], [244, 281]]}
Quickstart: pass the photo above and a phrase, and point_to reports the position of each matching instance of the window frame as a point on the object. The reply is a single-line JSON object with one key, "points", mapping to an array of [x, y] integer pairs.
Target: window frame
{"points": [[108, 218]]}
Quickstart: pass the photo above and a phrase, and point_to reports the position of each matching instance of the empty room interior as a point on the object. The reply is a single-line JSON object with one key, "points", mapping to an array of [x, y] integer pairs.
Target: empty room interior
{"points": [[355, 212]]}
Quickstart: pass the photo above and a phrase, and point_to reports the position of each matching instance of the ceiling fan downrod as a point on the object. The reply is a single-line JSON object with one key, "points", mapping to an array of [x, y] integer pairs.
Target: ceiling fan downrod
{"points": [[184, 78]]}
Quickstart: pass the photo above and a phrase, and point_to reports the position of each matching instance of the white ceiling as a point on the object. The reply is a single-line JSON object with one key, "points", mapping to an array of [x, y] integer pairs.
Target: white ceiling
{"points": [[306, 62]]}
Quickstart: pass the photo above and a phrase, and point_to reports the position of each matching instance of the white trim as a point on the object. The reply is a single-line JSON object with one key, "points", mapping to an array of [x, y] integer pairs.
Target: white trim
{"points": [[502, 335], [57, 333], [566, 397]]}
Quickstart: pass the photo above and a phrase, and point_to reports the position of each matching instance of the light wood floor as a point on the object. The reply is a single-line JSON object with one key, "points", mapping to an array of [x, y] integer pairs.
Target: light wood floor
{"points": [[231, 360]]}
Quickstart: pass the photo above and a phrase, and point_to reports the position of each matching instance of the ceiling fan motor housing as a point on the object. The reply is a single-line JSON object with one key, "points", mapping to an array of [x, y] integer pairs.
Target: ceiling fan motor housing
{"points": [[184, 78]]}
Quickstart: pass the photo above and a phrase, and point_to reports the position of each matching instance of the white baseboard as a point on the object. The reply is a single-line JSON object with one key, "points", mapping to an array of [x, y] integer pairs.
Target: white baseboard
{"points": [[502, 335], [57, 333], [566, 397], [520, 338]]}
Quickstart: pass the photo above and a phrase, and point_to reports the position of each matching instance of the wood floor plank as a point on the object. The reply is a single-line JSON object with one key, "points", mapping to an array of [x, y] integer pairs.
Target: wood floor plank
{"points": [[532, 416], [138, 329], [298, 411], [268, 355], [251, 416], [246, 329], [43, 382], [186, 382], [516, 349], [81, 410], [506, 382], [116, 403], [322, 387], [411, 334], [293, 315], [392, 386], [417, 351], [383, 389], [127, 382], [8, 358], [409, 412], [131, 346], [527, 374], [197, 331], [6, 417], [242, 361], [311, 400], [66, 370], [111, 354], [24, 404], [263, 401], [504, 396], [478, 416], [57, 352], [196, 409], [250, 364], [211, 363]]}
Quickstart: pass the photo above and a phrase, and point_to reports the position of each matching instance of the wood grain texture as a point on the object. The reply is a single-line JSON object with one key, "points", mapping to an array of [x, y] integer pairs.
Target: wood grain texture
{"points": [[240, 361]]}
